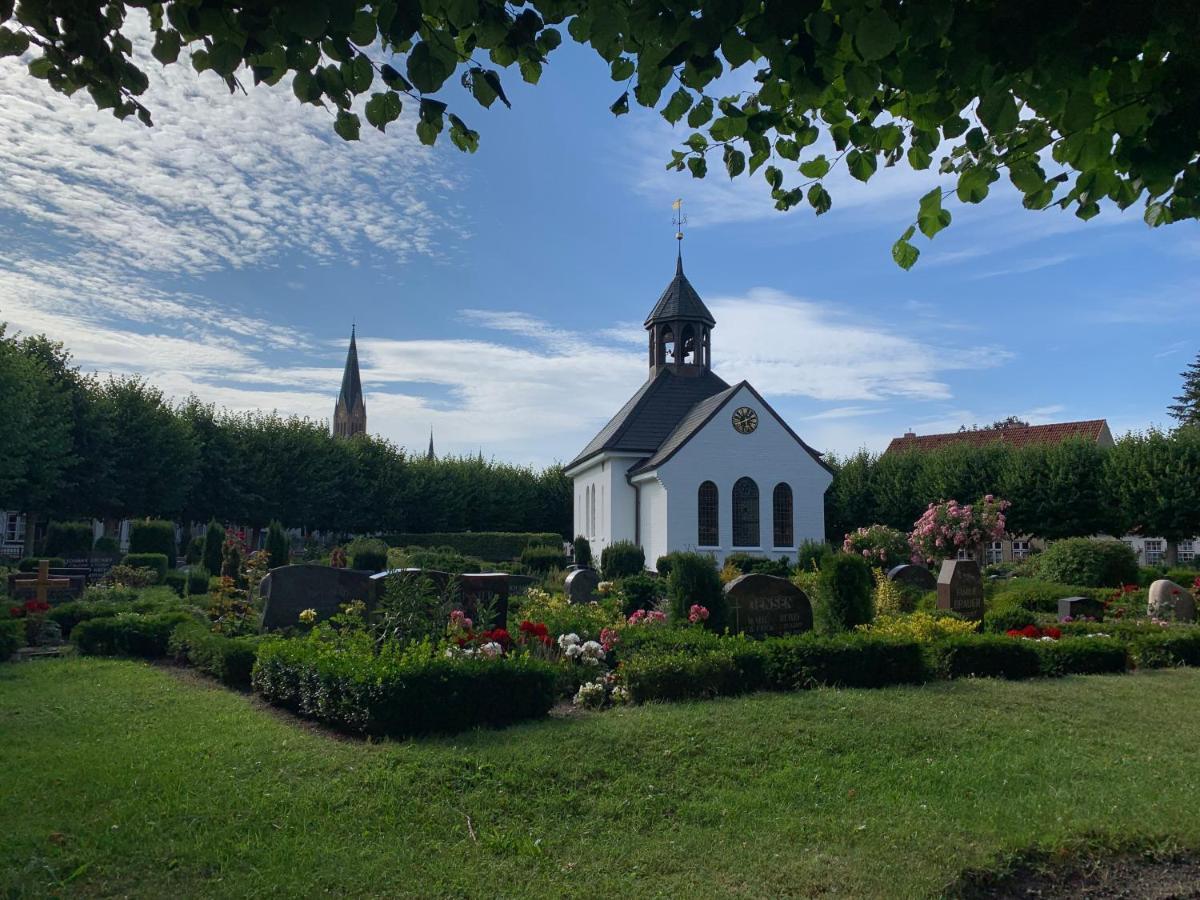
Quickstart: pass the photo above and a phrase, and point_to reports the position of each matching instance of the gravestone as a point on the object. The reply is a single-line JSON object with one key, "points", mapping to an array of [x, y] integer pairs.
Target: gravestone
{"points": [[1167, 595], [289, 590], [960, 588], [581, 585], [761, 605], [67, 584], [520, 584], [912, 575], [1079, 607], [481, 589], [437, 579]]}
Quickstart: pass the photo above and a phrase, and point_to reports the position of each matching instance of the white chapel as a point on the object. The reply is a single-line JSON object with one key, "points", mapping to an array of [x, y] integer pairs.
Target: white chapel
{"points": [[693, 463]]}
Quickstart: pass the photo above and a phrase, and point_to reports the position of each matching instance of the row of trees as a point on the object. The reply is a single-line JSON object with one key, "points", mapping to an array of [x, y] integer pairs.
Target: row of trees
{"points": [[1146, 484], [78, 446]]}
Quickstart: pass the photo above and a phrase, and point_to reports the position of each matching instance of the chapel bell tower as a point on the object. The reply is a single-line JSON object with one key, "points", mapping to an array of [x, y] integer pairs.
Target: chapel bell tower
{"points": [[680, 328]]}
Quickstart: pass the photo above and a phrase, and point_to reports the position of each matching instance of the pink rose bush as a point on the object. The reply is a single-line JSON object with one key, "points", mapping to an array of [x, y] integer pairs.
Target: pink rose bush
{"points": [[879, 545], [948, 527], [698, 614], [648, 617]]}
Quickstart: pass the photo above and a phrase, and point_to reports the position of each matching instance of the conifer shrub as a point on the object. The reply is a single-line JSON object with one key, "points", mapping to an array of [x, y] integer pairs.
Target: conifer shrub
{"points": [[583, 552], [694, 580], [155, 562], [153, 536], [1089, 562], [811, 554], [214, 541], [640, 591], [194, 554], [277, 547], [845, 590], [620, 559], [72, 540], [367, 554], [106, 546], [542, 558]]}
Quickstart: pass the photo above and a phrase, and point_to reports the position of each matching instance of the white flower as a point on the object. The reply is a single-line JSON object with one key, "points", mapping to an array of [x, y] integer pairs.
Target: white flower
{"points": [[573, 650], [591, 661], [452, 652], [491, 650], [592, 650], [620, 695], [591, 694], [567, 640]]}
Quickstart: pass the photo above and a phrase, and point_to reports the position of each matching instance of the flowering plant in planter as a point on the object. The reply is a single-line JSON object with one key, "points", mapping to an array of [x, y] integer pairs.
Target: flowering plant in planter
{"points": [[1033, 633], [879, 545], [948, 527]]}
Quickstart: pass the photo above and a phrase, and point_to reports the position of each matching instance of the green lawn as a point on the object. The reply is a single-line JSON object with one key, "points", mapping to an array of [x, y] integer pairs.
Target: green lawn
{"points": [[122, 778]]}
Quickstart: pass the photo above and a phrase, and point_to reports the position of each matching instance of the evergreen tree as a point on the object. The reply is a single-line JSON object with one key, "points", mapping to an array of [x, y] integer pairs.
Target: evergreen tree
{"points": [[1186, 408], [214, 537], [277, 546]]}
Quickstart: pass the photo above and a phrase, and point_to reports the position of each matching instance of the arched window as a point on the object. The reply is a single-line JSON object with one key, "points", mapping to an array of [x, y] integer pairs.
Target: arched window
{"points": [[687, 345], [708, 528], [745, 513], [781, 503], [666, 346]]}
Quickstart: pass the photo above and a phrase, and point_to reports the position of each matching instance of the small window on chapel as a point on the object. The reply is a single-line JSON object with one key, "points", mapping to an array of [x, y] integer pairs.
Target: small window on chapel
{"points": [[746, 531], [782, 508], [707, 504]]}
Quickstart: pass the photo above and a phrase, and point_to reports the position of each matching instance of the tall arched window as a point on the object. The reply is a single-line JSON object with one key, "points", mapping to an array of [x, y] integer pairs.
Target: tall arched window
{"points": [[707, 504], [781, 503], [746, 532]]}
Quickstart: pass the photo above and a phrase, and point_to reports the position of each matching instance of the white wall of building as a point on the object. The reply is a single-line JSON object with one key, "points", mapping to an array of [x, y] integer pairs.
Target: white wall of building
{"points": [[605, 502], [654, 517]]}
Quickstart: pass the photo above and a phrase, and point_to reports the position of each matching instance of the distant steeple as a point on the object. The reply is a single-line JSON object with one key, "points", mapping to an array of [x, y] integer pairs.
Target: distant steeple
{"points": [[430, 454], [350, 411]]}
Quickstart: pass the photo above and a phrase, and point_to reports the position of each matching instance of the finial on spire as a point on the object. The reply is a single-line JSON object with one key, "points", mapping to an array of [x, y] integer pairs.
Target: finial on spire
{"points": [[678, 220]]}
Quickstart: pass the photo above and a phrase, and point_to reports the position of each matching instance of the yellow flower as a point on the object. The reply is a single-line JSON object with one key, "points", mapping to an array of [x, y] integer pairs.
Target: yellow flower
{"points": [[308, 616]]}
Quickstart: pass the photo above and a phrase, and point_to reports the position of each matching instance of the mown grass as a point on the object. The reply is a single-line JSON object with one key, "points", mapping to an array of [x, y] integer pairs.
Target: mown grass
{"points": [[123, 779]]}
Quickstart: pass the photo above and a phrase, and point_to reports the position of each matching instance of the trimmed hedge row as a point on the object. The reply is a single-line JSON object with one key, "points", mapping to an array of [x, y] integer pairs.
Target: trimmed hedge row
{"points": [[184, 583], [493, 546], [695, 667], [68, 615], [230, 660], [155, 561], [128, 634], [401, 693], [12, 636]]}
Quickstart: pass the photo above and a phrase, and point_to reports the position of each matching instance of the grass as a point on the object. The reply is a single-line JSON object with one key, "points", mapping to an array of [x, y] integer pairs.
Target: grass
{"points": [[124, 779]]}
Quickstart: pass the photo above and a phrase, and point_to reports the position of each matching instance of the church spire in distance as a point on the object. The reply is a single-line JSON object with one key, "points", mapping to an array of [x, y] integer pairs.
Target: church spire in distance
{"points": [[430, 454], [350, 411]]}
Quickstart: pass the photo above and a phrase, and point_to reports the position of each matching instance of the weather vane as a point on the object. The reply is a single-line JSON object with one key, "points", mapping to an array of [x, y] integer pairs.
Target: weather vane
{"points": [[679, 219]]}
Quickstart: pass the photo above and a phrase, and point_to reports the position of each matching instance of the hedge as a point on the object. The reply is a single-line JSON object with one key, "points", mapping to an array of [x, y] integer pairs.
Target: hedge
{"points": [[12, 636], [1095, 563], [184, 583], [128, 634], [156, 561], [30, 563], [70, 539], [230, 660], [984, 656], [1038, 596], [493, 546], [1083, 656], [153, 536], [543, 558], [401, 693], [1168, 647]]}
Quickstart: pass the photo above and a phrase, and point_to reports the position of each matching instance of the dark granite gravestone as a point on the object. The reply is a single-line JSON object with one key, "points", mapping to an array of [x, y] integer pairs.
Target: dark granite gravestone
{"points": [[762, 605], [69, 586], [479, 589], [913, 575], [520, 584], [1080, 607], [581, 585], [960, 588], [289, 590]]}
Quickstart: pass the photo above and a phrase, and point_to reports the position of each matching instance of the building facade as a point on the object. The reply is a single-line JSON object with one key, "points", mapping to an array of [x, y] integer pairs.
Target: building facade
{"points": [[693, 463]]}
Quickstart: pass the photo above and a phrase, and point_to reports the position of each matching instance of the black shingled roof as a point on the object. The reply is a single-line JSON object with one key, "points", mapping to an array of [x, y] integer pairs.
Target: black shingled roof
{"points": [[351, 384], [653, 413], [680, 301]]}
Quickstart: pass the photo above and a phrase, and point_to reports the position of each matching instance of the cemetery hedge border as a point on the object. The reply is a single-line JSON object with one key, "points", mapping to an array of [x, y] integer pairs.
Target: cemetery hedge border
{"points": [[128, 634], [492, 546], [156, 561], [12, 636], [72, 540], [153, 536], [230, 660]]}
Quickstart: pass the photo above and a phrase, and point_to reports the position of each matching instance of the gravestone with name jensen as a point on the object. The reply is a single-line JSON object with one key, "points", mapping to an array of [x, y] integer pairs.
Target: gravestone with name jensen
{"points": [[914, 576], [763, 605], [960, 588]]}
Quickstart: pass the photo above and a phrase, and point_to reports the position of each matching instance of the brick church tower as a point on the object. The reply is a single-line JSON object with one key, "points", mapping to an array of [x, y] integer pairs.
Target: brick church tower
{"points": [[350, 413]]}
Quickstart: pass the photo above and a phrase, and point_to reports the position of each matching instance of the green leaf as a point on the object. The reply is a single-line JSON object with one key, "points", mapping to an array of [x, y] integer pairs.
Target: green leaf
{"points": [[818, 167], [480, 89], [165, 49], [700, 113], [918, 158], [697, 142], [622, 69], [698, 166], [382, 109], [308, 18], [428, 67], [14, 43], [774, 177], [1080, 112], [973, 185], [463, 137], [726, 128], [819, 199], [225, 57], [905, 254], [787, 149], [877, 35], [1088, 210], [621, 106], [394, 79], [358, 74], [735, 162], [346, 125], [305, 87], [934, 221], [531, 71], [861, 164], [492, 77], [364, 29], [680, 102], [736, 49], [427, 133], [998, 111], [41, 67], [1157, 214]]}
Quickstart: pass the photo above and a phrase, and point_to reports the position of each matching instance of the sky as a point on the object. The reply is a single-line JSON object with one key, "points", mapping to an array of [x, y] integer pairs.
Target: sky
{"points": [[499, 296]]}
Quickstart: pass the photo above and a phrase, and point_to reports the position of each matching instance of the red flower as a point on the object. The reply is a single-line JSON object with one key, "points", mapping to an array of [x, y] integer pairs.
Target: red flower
{"points": [[16, 611], [1031, 631], [1012, 632], [1055, 633], [499, 635]]}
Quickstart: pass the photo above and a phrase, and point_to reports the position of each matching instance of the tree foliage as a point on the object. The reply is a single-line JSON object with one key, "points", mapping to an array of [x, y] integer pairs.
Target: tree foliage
{"points": [[1076, 103], [1186, 408]]}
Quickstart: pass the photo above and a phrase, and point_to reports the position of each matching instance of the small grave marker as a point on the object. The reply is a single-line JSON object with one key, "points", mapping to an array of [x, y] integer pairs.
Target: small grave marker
{"points": [[913, 575], [581, 585], [1079, 608]]}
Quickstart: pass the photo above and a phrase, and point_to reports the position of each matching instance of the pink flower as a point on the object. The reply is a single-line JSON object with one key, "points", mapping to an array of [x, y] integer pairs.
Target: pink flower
{"points": [[697, 614]]}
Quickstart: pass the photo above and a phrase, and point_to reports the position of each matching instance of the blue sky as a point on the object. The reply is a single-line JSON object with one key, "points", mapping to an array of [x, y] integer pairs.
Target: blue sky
{"points": [[499, 296]]}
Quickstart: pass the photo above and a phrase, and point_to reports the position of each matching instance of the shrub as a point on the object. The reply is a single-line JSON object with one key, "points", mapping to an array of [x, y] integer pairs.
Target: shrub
{"points": [[128, 634], [229, 660], [214, 542], [106, 546], [746, 563], [1093, 563], [1083, 656], [442, 559], [985, 656], [1167, 647], [69, 539], [30, 563], [185, 583], [543, 558], [107, 603], [890, 598], [918, 626], [1007, 619], [640, 591], [694, 579], [401, 692], [277, 547], [493, 546], [847, 660], [194, 553], [1035, 595], [844, 590], [811, 555], [157, 562], [583, 552], [620, 559], [153, 536], [12, 636], [367, 554], [683, 675], [879, 545]]}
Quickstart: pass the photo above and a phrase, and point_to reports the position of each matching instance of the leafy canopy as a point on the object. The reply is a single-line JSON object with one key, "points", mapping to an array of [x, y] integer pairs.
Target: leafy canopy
{"points": [[1076, 102]]}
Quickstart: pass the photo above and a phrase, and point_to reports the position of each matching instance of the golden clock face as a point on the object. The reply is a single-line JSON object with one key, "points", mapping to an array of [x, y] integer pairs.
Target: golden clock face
{"points": [[745, 420]]}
